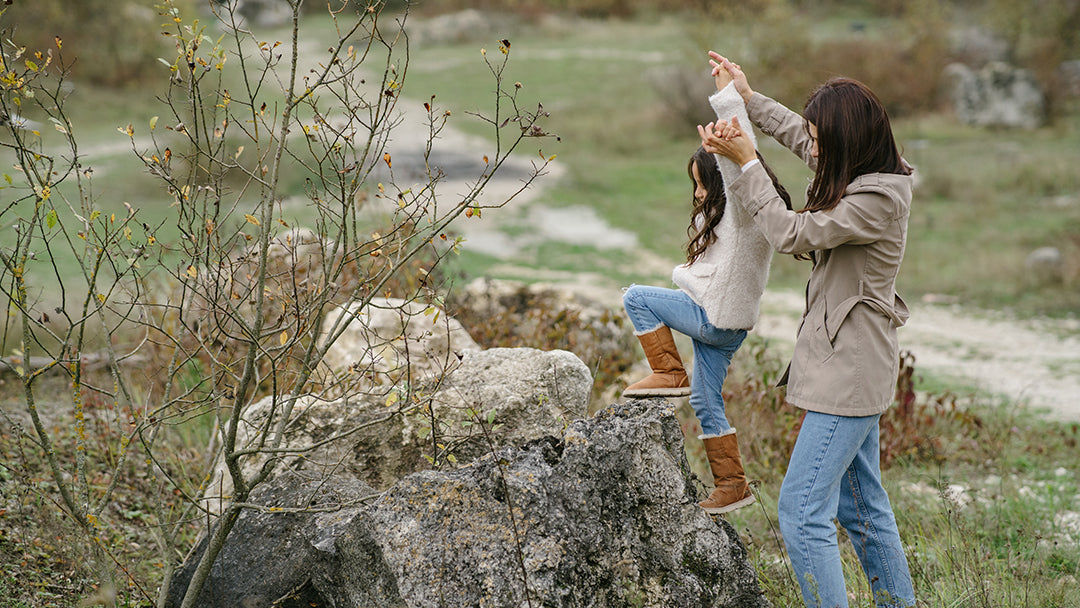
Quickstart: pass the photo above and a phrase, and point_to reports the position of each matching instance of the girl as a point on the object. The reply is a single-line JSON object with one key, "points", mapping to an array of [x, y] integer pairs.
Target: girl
{"points": [[720, 286], [844, 368]]}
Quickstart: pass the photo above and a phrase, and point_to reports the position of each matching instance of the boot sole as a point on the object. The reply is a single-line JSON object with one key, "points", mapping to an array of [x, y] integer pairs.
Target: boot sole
{"points": [[749, 500], [658, 392]]}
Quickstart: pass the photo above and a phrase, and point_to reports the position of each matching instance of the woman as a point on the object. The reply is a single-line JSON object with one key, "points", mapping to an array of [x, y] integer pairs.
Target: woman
{"points": [[843, 371]]}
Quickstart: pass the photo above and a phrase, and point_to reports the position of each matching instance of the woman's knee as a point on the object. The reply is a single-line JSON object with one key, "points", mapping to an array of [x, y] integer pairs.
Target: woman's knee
{"points": [[789, 513]]}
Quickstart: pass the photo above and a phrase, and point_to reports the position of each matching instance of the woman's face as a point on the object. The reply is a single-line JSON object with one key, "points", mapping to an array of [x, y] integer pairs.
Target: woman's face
{"points": [[812, 128], [699, 189]]}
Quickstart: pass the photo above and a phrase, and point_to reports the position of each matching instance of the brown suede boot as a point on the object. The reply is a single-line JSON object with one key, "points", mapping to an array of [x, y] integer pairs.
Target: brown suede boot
{"points": [[731, 491], [668, 378]]}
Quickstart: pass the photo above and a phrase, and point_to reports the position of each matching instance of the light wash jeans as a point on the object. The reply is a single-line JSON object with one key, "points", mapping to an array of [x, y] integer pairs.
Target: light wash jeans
{"points": [[650, 307], [834, 473]]}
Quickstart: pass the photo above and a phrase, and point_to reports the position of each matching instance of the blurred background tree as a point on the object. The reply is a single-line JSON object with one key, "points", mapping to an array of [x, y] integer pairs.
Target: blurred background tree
{"points": [[118, 41]]}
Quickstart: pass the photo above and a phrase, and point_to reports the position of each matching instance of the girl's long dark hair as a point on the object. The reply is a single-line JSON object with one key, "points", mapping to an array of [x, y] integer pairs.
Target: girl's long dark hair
{"points": [[711, 209], [854, 138]]}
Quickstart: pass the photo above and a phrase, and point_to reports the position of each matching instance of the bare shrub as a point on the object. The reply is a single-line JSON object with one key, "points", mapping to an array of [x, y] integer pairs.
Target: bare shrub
{"points": [[239, 305]]}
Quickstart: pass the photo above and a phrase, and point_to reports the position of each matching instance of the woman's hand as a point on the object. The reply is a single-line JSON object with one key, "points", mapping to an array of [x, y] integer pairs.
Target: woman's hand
{"points": [[734, 72], [728, 140]]}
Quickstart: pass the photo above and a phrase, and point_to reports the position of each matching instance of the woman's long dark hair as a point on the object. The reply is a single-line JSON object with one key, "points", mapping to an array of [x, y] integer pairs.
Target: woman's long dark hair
{"points": [[854, 138], [711, 209]]}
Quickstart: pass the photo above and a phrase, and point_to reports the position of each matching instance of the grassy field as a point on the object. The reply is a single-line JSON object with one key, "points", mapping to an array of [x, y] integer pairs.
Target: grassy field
{"points": [[986, 198], [987, 496]]}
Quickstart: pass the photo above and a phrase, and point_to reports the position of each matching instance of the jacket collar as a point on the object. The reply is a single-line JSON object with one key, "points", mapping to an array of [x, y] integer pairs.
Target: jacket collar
{"points": [[889, 184]]}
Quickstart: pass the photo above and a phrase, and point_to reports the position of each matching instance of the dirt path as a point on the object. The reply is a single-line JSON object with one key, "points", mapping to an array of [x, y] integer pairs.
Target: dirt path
{"points": [[1036, 363]]}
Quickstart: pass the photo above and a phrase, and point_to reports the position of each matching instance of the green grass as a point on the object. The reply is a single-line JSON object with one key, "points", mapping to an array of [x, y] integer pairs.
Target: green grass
{"points": [[986, 198]]}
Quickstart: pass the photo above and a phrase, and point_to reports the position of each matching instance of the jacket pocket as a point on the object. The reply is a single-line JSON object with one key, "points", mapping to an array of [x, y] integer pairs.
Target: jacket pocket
{"points": [[814, 345]]}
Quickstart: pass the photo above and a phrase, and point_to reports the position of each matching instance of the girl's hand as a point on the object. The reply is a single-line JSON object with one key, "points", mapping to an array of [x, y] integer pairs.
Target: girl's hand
{"points": [[728, 140], [722, 76], [734, 73]]}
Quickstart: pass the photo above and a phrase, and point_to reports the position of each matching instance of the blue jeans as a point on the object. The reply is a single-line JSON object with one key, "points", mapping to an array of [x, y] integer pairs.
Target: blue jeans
{"points": [[834, 473], [651, 307]]}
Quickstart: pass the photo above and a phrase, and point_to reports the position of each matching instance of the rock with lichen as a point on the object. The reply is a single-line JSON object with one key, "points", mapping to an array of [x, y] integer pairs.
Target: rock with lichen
{"points": [[604, 515]]}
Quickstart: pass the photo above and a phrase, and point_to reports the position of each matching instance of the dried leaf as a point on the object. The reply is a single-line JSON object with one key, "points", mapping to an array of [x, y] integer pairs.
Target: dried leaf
{"points": [[251, 219]]}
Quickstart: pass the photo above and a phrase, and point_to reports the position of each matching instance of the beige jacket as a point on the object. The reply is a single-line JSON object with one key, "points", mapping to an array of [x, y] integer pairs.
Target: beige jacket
{"points": [[728, 279], [846, 355]]}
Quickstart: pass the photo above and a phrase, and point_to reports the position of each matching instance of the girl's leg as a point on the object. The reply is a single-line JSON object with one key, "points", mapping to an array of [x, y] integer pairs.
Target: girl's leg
{"points": [[654, 311], [713, 350], [809, 500], [650, 307], [866, 514]]}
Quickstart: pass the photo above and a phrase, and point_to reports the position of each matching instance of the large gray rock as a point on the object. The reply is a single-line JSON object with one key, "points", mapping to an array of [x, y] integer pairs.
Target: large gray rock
{"points": [[998, 95], [272, 552], [500, 313], [604, 516], [525, 393]]}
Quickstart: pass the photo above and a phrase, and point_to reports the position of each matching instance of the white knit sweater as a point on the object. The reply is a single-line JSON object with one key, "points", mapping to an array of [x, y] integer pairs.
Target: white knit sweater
{"points": [[729, 278]]}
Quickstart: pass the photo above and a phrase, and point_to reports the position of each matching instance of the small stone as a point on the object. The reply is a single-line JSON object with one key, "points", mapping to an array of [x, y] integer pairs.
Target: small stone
{"points": [[1046, 265]]}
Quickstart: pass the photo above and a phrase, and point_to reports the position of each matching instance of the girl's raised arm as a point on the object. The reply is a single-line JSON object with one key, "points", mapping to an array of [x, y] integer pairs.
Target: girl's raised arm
{"points": [[734, 74]]}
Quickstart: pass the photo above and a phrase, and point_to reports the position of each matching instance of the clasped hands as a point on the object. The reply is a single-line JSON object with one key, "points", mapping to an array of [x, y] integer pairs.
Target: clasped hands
{"points": [[726, 138]]}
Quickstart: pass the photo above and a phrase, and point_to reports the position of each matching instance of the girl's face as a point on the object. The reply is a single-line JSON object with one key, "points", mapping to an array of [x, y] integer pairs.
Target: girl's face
{"points": [[812, 128], [699, 189]]}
